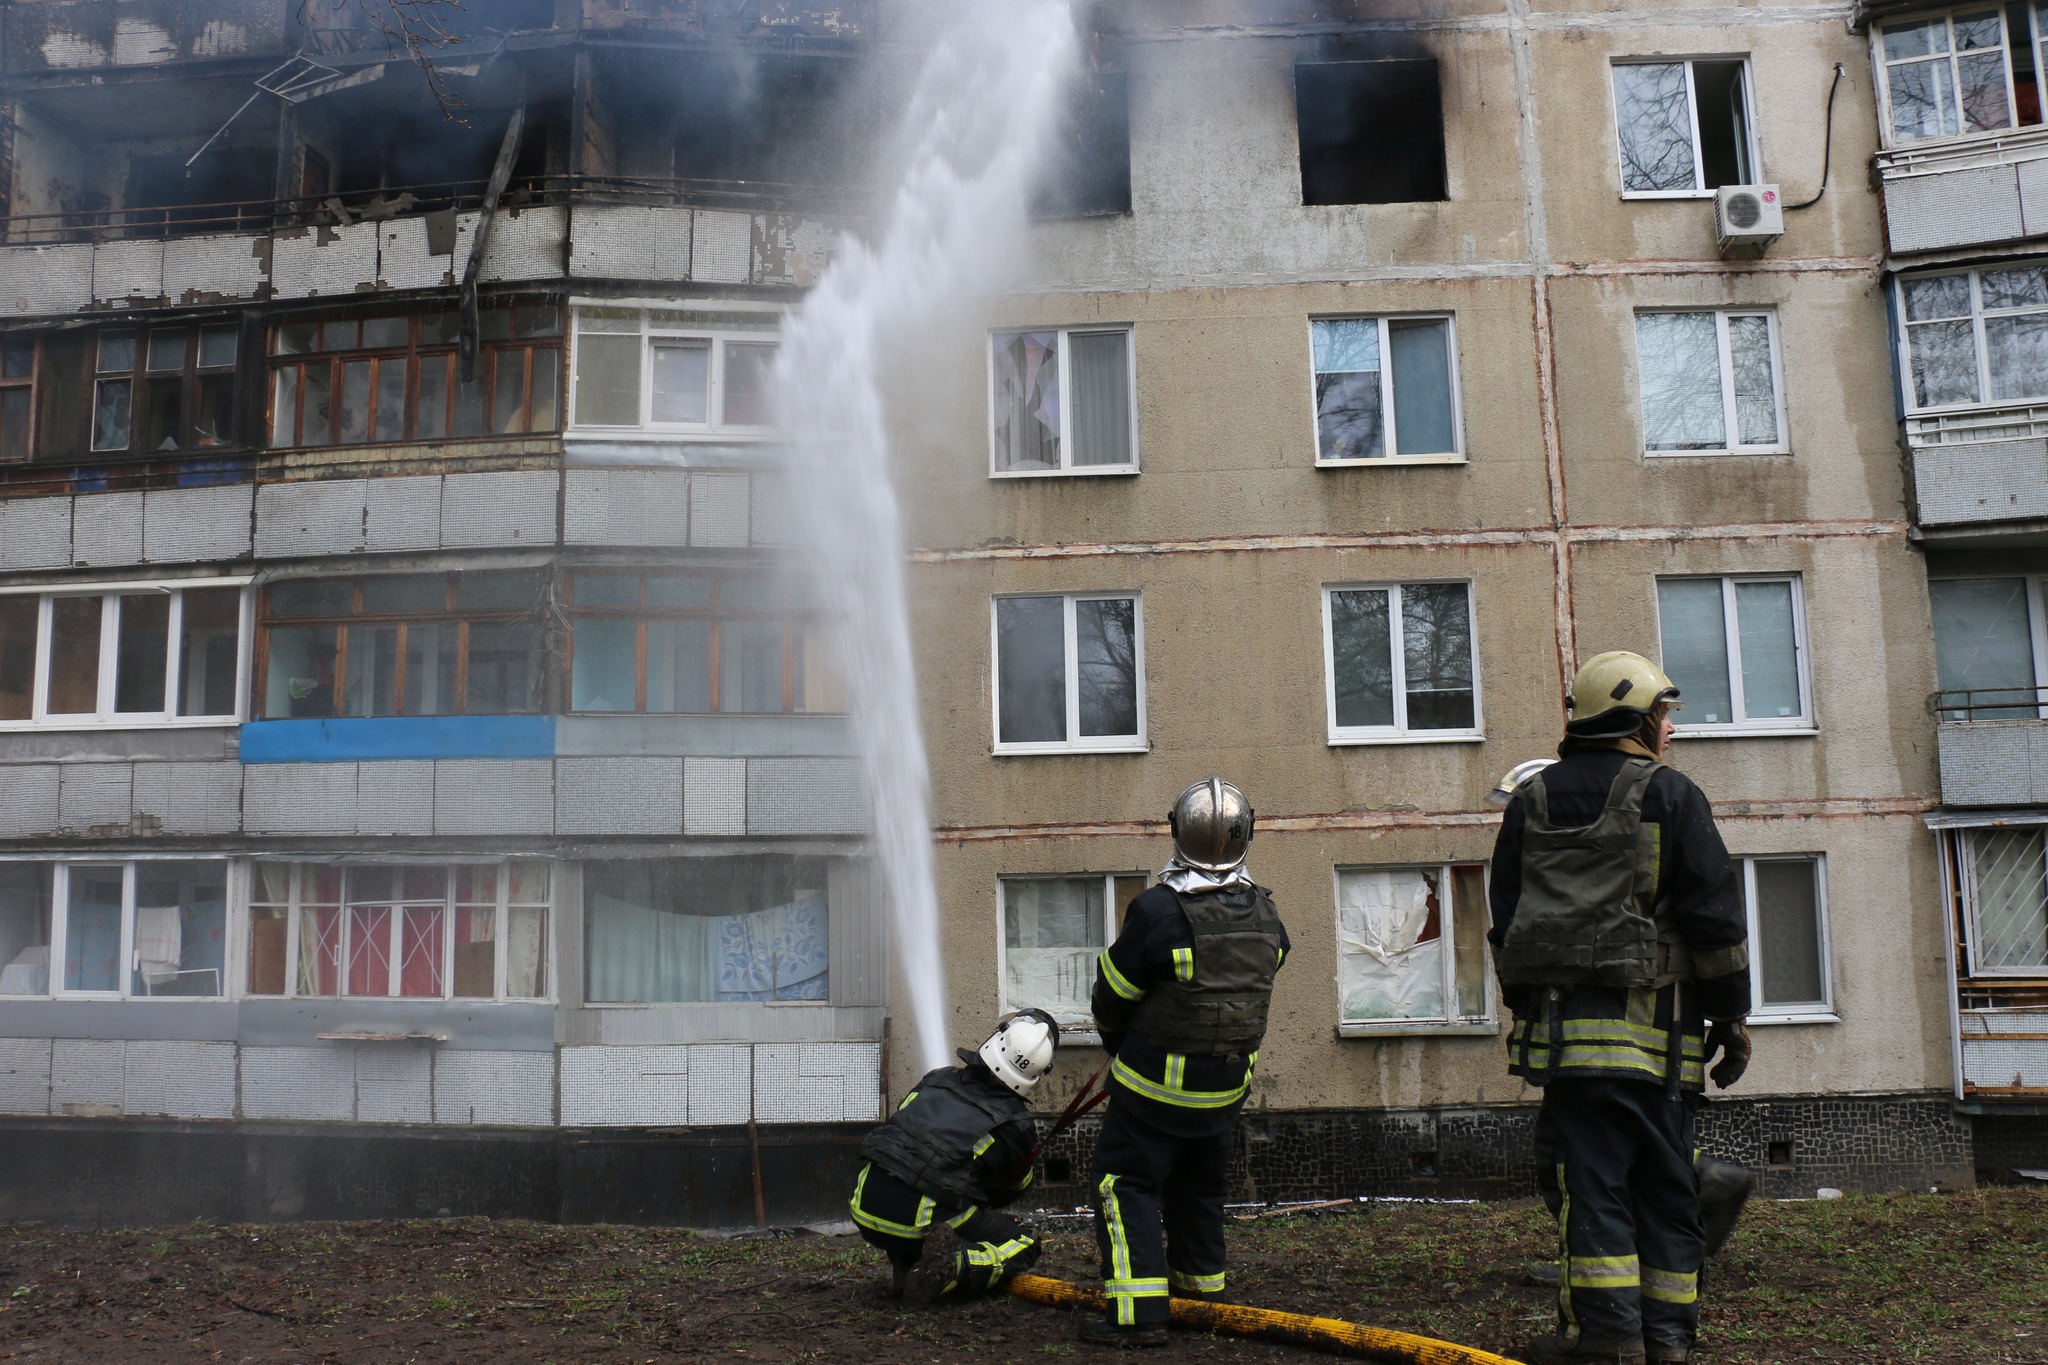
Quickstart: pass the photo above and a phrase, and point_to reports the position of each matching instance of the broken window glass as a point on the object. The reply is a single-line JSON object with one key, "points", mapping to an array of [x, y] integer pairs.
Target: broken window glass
{"points": [[1087, 169], [1054, 928], [1411, 946], [1027, 401]]}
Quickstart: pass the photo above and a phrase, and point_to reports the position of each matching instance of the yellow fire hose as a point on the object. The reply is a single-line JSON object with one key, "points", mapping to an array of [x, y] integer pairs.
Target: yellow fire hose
{"points": [[1265, 1324]]}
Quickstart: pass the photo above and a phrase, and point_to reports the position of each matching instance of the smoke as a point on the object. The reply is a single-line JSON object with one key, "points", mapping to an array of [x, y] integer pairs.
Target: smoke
{"points": [[979, 116]]}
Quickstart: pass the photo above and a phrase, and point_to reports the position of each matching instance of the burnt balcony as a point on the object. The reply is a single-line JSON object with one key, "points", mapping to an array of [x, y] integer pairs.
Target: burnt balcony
{"points": [[75, 35], [1993, 746]]}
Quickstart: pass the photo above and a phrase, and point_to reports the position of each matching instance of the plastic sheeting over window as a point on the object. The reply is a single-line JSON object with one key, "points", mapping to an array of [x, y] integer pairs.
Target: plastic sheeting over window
{"points": [[1411, 945]]}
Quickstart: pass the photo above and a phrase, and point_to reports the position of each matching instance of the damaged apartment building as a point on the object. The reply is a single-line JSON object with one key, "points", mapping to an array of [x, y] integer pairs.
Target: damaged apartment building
{"points": [[422, 789]]}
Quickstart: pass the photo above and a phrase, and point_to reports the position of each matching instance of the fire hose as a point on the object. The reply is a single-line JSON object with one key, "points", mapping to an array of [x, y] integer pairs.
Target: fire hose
{"points": [[1266, 1324]]}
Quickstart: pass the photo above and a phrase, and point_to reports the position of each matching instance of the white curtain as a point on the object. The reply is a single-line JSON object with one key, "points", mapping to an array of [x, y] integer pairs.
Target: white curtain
{"points": [[1385, 969], [639, 953]]}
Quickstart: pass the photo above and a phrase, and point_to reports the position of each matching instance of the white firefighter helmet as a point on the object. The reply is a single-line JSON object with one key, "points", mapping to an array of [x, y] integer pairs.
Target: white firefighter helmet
{"points": [[1020, 1051], [1212, 825], [1615, 693]]}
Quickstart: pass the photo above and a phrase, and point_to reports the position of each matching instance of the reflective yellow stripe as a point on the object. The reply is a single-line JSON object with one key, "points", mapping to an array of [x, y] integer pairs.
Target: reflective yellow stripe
{"points": [[1176, 1071], [1196, 1284], [907, 1099], [984, 1144], [1184, 964], [1564, 1254], [1119, 1248], [1604, 1272], [1025, 1182], [1670, 1286], [1185, 1099], [994, 1255], [961, 1217], [1118, 982], [1136, 1289], [877, 1223]]}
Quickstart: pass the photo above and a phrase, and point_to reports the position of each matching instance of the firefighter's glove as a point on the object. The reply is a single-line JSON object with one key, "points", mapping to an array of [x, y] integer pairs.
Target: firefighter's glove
{"points": [[1730, 1038]]}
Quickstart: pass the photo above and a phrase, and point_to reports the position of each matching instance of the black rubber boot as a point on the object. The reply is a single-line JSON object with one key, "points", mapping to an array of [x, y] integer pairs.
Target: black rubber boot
{"points": [[1556, 1350], [938, 1272], [1656, 1354], [1096, 1332]]}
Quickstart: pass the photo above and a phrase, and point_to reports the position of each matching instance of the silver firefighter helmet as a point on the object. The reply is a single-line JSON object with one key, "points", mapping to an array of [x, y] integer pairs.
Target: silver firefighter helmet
{"points": [[1212, 825]]}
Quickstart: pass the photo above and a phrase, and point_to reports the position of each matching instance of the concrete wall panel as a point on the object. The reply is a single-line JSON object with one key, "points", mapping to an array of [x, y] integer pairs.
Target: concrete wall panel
{"points": [[402, 513], [190, 798], [527, 244], [127, 273], [1953, 208], [91, 794], [721, 1083], [298, 1083], [619, 796], [35, 533], [638, 1086], [718, 511], [805, 796], [1956, 485], [714, 796], [491, 511], [188, 525], [25, 1075], [87, 1076], [494, 796], [215, 268], [106, 528], [817, 1082], [299, 798], [314, 518], [626, 507], [28, 799], [722, 249], [180, 1080], [38, 281], [307, 262], [395, 798], [511, 1088], [394, 1083], [404, 262]]}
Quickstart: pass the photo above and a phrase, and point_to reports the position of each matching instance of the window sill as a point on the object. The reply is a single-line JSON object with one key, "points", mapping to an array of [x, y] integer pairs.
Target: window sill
{"points": [[1653, 196], [1823, 1017], [1385, 460], [1419, 1028], [1745, 732], [1077, 472], [666, 435], [1054, 750], [1739, 452], [681, 1004], [1411, 737], [59, 726]]}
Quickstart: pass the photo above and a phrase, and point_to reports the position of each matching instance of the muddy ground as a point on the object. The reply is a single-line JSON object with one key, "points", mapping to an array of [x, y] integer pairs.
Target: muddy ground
{"points": [[1936, 1279]]}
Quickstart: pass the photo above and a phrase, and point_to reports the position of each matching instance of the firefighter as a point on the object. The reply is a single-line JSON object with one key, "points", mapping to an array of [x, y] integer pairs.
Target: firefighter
{"points": [[956, 1150], [1621, 943], [1180, 1000]]}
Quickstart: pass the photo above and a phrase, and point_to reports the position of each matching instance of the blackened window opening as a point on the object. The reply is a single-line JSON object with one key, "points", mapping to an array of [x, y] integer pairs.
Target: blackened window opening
{"points": [[1088, 170], [1371, 132]]}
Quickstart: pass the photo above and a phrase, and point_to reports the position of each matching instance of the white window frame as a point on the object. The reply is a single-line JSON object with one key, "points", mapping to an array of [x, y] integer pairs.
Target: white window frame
{"points": [[1754, 151], [1966, 868], [1799, 725], [501, 945], [1398, 732], [1069, 1033], [1881, 76], [1391, 440], [2037, 624], [1076, 743], [60, 916], [1487, 1025], [654, 327], [1730, 425], [1983, 402], [104, 716], [1818, 1012], [1068, 469]]}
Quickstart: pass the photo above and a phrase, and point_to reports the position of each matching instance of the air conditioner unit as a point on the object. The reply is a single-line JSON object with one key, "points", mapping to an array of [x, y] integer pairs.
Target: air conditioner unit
{"points": [[1747, 218]]}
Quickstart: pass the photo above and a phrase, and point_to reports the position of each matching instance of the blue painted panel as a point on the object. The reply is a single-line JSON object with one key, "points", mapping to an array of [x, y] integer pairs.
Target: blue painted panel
{"points": [[352, 740]]}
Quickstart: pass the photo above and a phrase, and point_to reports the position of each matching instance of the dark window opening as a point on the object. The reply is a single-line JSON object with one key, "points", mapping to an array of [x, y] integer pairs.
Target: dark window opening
{"points": [[119, 391], [1371, 132], [1724, 123], [1779, 1154], [1088, 167], [227, 190]]}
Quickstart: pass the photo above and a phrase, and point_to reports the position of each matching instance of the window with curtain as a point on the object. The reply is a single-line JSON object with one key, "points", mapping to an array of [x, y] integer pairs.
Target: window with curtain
{"points": [[1385, 387], [435, 931], [129, 928], [1054, 928], [1735, 647], [1788, 936], [1069, 673], [128, 655], [1400, 661], [1061, 401], [1959, 73], [1709, 382], [402, 645], [693, 930], [1988, 647], [1974, 338], [1411, 947]]}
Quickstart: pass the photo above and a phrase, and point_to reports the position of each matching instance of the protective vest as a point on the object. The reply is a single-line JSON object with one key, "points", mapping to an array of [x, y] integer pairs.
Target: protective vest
{"points": [[931, 1142], [1589, 913], [1216, 1004]]}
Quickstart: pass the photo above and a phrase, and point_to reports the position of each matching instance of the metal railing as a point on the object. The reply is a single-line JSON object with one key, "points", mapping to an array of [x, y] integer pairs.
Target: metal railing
{"points": [[342, 208], [1990, 703]]}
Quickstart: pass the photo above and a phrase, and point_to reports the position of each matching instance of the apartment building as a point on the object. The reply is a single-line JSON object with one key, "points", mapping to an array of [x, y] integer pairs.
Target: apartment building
{"points": [[422, 787]]}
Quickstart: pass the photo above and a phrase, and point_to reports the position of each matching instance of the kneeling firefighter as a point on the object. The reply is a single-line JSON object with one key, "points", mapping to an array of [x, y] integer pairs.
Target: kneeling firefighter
{"points": [[1180, 999], [1621, 941], [957, 1149]]}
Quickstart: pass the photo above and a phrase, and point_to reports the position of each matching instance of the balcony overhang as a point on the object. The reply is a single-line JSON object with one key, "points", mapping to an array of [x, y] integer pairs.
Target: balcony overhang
{"points": [[1954, 194], [1993, 763]]}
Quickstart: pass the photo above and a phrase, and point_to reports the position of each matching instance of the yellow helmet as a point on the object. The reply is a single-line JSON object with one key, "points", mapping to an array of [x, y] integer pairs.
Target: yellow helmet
{"points": [[1613, 694]]}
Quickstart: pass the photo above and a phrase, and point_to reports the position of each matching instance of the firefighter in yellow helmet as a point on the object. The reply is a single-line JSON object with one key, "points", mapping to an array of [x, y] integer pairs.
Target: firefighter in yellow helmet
{"points": [[1621, 942]]}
